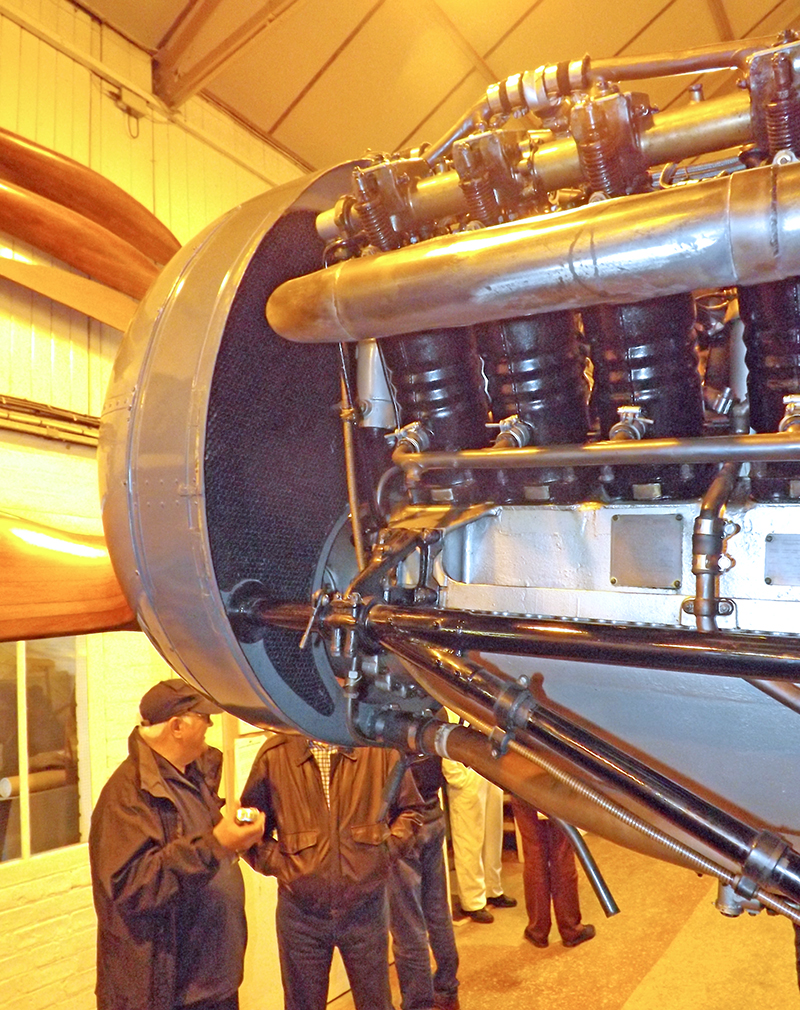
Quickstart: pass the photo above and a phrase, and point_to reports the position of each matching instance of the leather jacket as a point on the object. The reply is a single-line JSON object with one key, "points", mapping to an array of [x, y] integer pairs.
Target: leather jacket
{"points": [[328, 859]]}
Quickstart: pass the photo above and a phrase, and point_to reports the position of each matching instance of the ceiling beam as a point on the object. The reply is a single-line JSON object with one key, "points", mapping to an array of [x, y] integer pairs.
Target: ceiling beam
{"points": [[479, 63], [177, 75], [721, 20]]}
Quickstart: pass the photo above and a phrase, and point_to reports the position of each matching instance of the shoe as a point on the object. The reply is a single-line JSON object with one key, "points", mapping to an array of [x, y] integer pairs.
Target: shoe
{"points": [[446, 1001], [502, 901], [480, 915], [587, 933], [535, 939]]}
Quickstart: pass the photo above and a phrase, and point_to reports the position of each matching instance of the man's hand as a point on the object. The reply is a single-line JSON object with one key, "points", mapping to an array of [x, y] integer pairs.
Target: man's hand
{"points": [[239, 837]]}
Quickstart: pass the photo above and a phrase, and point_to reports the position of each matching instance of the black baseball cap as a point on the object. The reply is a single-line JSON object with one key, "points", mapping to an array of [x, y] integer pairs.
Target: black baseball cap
{"points": [[174, 697]]}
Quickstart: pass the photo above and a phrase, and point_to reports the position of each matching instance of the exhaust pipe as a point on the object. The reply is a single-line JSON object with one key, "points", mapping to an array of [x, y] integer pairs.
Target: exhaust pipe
{"points": [[740, 229]]}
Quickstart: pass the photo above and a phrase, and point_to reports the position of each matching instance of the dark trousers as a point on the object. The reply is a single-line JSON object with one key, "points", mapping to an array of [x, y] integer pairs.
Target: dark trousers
{"points": [[306, 943], [420, 914], [231, 1003], [549, 874]]}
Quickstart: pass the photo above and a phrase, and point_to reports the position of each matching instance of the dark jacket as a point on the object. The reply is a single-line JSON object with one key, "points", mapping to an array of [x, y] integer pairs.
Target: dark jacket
{"points": [[165, 891], [328, 859]]}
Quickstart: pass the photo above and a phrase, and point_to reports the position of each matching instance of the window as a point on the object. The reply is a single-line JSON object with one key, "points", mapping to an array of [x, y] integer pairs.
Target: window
{"points": [[41, 685]]}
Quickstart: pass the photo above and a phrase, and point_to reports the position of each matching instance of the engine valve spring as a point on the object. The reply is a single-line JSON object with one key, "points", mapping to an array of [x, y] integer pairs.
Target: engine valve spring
{"points": [[782, 114], [475, 184], [596, 153], [375, 218], [480, 200], [601, 171]]}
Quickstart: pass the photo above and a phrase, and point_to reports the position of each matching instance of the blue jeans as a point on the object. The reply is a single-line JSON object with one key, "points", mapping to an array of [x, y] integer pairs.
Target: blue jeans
{"points": [[306, 943], [420, 914]]}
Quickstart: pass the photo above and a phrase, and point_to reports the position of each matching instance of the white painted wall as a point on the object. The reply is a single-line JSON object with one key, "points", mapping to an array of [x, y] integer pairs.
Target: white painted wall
{"points": [[188, 170]]}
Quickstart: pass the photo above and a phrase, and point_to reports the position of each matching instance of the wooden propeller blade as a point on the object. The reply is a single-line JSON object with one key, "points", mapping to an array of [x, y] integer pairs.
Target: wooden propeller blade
{"points": [[56, 583], [86, 192], [76, 240]]}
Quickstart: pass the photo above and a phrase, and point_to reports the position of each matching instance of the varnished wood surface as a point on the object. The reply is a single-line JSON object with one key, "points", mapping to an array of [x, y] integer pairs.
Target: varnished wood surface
{"points": [[76, 240], [86, 192], [46, 591]]}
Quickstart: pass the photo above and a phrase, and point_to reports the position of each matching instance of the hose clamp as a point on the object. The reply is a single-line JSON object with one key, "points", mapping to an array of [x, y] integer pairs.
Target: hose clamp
{"points": [[767, 851]]}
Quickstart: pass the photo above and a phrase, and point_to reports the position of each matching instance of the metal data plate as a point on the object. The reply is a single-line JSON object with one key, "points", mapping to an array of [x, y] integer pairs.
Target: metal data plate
{"points": [[782, 559], [646, 551]]}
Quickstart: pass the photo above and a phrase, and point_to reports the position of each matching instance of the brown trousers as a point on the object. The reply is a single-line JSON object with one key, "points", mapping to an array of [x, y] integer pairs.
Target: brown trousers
{"points": [[549, 873]]}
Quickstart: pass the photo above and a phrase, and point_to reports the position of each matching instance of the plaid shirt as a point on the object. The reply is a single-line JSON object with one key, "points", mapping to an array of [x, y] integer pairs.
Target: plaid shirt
{"points": [[323, 752]]}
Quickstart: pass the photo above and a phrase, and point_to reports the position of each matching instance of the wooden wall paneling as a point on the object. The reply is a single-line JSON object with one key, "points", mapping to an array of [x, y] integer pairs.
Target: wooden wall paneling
{"points": [[180, 218], [45, 96], [140, 151], [73, 25], [95, 133], [110, 123], [78, 356], [27, 106], [10, 77], [5, 338], [17, 317], [45, 360], [103, 344], [197, 185], [73, 109], [69, 350], [161, 174], [130, 63]]}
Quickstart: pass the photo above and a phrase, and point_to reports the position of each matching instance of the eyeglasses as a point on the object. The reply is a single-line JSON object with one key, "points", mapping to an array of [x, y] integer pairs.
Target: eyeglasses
{"points": [[201, 715]]}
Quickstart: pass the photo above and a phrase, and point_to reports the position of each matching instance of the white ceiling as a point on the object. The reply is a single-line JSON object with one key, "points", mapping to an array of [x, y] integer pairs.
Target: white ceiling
{"points": [[328, 79]]}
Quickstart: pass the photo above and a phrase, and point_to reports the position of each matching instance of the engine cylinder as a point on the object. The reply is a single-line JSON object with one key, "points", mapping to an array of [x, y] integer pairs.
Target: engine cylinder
{"points": [[771, 317], [439, 387], [644, 355], [535, 369]]}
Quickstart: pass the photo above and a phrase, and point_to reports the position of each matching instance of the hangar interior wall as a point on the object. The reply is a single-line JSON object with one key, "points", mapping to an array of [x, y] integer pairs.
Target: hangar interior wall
{"points": [[188, 170]]}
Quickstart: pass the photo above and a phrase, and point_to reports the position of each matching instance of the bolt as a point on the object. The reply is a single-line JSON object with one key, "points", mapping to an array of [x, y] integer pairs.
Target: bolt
{"points": [[613, 580], [768, 581], [769, 538]]}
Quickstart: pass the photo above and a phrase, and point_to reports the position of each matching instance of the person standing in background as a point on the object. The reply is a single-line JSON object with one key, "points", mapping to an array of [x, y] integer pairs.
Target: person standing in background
{"points": [[331, 857], [549, 874], [476, 830], [167, 887], [419, 905]]}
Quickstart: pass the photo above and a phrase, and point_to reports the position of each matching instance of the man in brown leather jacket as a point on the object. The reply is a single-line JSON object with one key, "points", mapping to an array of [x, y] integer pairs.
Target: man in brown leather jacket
{"points": [[331, 857]]}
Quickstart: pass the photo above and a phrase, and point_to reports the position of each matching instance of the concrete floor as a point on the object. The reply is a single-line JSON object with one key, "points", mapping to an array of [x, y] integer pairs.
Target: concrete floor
{"points": [[668, 949]]}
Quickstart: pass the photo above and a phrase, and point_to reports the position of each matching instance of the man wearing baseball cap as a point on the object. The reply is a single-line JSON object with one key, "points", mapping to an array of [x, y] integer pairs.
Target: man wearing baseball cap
{"points": [[167, 887]]}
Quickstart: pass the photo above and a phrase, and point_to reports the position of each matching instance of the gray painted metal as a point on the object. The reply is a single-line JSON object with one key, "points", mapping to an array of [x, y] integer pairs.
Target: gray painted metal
{"points": [[152, 464]]}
